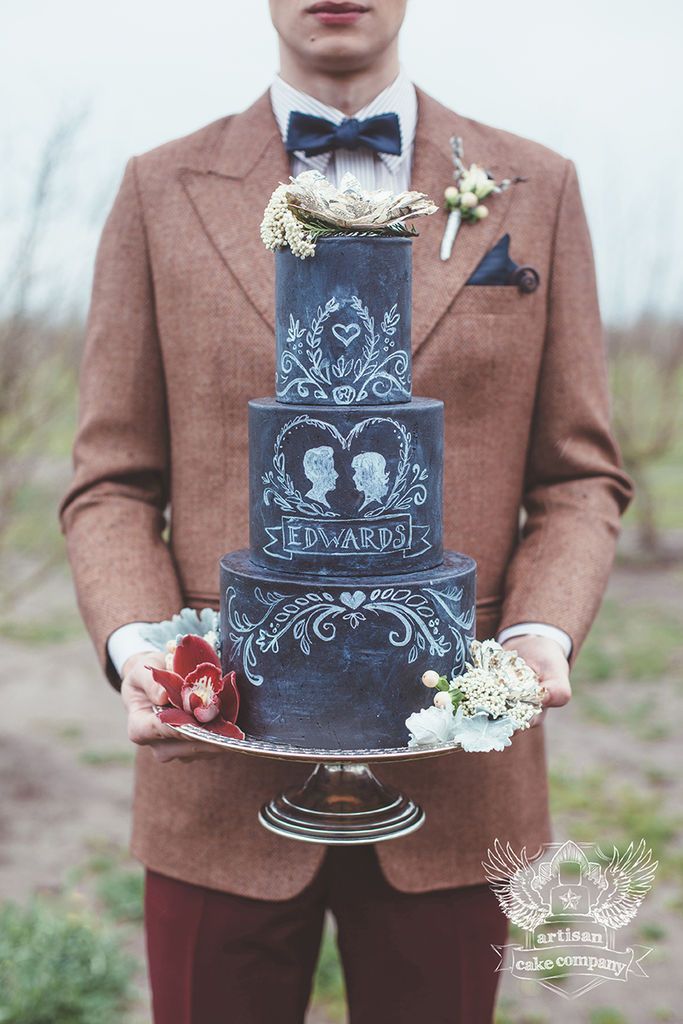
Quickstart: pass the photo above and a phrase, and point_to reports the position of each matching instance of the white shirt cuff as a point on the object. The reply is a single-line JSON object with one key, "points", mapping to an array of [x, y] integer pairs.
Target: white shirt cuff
{"points": [[124, 641], [538, 629]]}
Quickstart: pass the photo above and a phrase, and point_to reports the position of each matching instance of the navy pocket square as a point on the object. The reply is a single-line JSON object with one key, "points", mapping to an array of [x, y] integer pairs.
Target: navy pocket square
{"points": [[498, 268]]}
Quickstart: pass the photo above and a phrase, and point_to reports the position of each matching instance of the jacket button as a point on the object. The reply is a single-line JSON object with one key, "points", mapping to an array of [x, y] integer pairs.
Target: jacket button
{"points": [[527, 279]]}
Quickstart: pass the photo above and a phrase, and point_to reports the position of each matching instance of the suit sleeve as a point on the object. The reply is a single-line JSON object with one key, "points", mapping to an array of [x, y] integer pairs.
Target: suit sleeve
{"points": [[575, 489], [112, 514]]}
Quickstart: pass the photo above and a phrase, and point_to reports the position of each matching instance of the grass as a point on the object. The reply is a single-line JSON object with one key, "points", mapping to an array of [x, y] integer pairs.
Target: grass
{"points": [[606, 1015], [506, 1013], [328, 986], [72, 732], [64, 960], [642, 720], [99, 758], [59, 628], [652, 932], [632, 642], [593, 811], [59, 965], [638, 396], [116, 882], [666, 480], [35, 527], [121, 891]]}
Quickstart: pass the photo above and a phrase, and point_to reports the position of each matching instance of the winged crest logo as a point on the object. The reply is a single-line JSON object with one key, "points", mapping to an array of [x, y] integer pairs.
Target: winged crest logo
{"points": [[570, 900]]}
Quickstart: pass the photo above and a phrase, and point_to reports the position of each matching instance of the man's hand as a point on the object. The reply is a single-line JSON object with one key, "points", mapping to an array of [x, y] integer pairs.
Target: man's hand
{"points": [[547, 658], [139, 693]]}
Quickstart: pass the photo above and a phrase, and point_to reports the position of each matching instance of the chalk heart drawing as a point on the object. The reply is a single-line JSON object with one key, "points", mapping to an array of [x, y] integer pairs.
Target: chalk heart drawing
{"points": [[390, 479], [425, 621], [378, 367], [346, 333]]}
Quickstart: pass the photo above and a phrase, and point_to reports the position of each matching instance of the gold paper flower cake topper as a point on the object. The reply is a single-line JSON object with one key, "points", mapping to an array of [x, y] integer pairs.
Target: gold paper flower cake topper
{"points": [[310, 207]]}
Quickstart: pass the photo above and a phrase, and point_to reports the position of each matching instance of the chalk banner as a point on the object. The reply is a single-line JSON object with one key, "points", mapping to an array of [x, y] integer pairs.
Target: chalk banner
{"points": [[299, 535]]}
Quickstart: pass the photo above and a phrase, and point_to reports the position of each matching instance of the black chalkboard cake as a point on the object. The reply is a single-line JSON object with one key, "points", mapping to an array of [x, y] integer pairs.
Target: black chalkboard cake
{"points": [[346, 595]]}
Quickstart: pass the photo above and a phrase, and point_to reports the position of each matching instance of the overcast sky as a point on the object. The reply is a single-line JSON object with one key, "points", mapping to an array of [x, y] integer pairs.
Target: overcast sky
{"points": [[600, 81]]}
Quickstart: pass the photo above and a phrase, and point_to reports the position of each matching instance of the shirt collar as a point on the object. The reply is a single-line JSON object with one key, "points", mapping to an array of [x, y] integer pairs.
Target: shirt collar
{"points": [[399, 97]]}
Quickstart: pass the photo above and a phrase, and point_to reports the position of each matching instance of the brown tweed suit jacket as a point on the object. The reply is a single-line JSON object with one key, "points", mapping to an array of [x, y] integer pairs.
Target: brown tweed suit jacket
{"points": [[180, 335]]}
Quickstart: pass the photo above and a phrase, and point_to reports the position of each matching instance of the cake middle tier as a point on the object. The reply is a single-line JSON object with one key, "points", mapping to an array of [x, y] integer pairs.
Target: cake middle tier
{"points": [[346, 491]]}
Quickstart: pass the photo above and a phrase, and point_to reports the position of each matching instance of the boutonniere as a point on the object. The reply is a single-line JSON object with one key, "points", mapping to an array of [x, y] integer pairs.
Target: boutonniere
{"points": [[464, 201]]}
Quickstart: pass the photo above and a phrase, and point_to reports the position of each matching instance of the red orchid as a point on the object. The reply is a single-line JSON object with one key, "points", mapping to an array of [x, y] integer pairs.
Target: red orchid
{"points": [[200, 695]]}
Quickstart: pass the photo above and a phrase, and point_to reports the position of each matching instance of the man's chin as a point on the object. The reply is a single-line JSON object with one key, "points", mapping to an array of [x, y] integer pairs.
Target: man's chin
{"points": [[339, 55]]}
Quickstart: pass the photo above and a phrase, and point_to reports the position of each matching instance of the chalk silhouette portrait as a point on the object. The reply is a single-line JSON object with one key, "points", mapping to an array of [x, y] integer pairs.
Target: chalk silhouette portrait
{"points": [[370, 476], [319, 469]]}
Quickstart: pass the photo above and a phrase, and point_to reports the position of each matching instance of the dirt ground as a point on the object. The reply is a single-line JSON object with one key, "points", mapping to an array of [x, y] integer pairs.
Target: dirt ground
{"points": [[66, 774]]}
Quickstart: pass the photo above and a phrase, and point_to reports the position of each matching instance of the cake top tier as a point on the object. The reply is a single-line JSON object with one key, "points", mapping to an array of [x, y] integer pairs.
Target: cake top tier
{"points": [[343, 290], [343, 322]]}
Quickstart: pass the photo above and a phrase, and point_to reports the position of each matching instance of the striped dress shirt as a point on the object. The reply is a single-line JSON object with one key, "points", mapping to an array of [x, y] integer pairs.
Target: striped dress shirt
{"points": [[373, 170]]}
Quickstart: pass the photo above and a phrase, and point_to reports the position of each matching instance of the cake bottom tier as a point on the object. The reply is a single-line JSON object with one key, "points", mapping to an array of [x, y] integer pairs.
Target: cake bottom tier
{"points": [[337, 663]]}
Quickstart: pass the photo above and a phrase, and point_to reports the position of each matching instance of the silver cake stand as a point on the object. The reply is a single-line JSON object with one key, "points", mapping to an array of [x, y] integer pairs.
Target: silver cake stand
{"points": [[342, 802]]}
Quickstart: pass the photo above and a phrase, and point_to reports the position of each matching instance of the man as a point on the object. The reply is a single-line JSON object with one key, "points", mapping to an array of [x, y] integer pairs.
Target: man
{"points": [[180, 335]]}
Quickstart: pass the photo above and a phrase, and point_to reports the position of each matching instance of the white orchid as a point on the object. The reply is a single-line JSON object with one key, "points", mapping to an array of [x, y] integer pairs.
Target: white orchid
{"points": [[480, 734], [430, 726]]}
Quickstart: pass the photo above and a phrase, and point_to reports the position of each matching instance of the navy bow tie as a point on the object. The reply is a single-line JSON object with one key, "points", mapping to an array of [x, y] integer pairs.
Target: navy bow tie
{"points": [[316, 135]]}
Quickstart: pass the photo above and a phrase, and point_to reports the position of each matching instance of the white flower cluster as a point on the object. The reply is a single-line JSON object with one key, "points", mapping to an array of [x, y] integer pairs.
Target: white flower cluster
{"points": [[473, 186], [480, 710], [280, 227], [498, 682]]}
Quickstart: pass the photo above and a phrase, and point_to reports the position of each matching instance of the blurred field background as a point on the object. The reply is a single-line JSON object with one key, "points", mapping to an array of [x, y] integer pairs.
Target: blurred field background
{"points": [[71, 945]]}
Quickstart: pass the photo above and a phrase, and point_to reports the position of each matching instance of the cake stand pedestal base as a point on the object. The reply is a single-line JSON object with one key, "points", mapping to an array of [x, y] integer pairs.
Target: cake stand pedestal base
{"points": [[341, 804]]}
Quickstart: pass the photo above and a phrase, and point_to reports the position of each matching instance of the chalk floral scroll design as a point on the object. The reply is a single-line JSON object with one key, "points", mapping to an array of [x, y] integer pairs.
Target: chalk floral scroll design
{"points": [[425, 620], [408, 489], [378, 371]]}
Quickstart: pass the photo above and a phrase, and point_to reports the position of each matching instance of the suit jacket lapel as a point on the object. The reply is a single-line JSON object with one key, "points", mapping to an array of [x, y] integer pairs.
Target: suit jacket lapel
{"points": [[229, 191], [435, 282], [230, 187]]}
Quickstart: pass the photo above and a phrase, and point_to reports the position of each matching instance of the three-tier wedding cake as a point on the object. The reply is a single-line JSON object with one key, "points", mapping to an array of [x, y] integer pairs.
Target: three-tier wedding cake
{"points": [[346, 595]]}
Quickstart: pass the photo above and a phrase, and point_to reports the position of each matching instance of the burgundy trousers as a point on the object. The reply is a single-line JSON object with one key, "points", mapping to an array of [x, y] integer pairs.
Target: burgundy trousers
{"points": [[216, 958]]}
